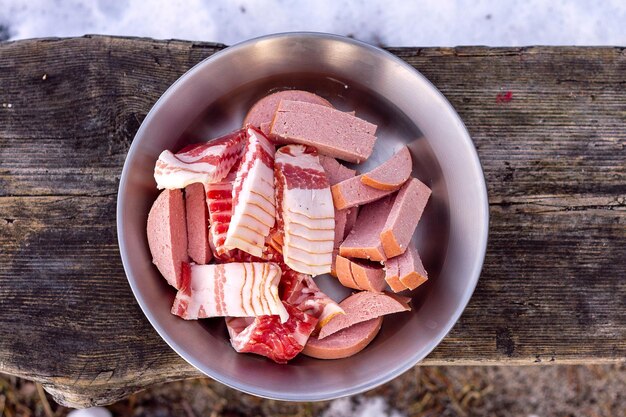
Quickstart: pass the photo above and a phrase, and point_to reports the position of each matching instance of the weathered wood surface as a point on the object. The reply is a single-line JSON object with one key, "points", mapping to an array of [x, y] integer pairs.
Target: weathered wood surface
{"points": [[553, 288]]}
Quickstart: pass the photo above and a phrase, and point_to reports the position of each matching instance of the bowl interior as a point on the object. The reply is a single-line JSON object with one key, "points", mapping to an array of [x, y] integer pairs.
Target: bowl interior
{"points": [[213, 98]]}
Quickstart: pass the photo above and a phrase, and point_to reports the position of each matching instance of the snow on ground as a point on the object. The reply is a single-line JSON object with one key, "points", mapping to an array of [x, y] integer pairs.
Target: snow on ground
{"points": [[388, 22]]}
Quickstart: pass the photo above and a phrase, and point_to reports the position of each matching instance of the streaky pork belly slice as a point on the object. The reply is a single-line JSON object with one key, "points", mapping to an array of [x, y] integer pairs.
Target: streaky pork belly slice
{"points": [[254, 208], [267, 336], [301, 291], [306, 212], [206, 162], [219, 200], [238, 289]]}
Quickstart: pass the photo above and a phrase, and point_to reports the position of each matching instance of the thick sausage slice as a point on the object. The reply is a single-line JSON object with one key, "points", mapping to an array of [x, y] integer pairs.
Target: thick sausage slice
{"points": [[392, 274], [358, 190], [392, 174], [344, 273], [344, 343], [332, 132], [167, 235], [363, 306], [197, 224], [262, 112], [369, 277], [411, 271], [360, 275], [363, 241], [406, 212]]}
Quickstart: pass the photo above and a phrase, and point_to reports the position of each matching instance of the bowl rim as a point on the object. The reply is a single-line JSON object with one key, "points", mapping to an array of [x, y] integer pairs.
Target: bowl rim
{"points": [[473, 276]]}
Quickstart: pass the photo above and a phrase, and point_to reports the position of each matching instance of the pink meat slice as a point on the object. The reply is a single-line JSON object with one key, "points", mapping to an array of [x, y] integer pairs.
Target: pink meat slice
{"points": [[262, 112], [167, 235], [411, 272], [219, 200], [363, 241], [392, 274], [197, 224], [267, 336], [369, 276], [363, 306], [206, 163], [306, 213], [335, 171], [254, 208], [353, 192], [392, 174], [407, 209], [344, 343], [351, 217], [332, 132]]}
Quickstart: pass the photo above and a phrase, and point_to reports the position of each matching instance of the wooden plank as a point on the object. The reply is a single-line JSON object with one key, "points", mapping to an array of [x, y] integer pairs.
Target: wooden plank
{"points": [[553, 151]]}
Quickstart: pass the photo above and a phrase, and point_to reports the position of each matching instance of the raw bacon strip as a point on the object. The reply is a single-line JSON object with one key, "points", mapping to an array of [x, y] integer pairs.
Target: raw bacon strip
{"points": [[204, 162], [332, 132], [219, 200], [268, 337], [243, 289], [301, 291], [254, 208], [306, 212]]}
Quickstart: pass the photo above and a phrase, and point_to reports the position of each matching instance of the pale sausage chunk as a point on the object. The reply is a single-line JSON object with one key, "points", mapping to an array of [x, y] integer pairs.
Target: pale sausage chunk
{"points": [[197, 224], [344, 343], [392, 174], [406, 212], [363, 241], [332, 132], [363, 306], [358, 190], [262, 112]]}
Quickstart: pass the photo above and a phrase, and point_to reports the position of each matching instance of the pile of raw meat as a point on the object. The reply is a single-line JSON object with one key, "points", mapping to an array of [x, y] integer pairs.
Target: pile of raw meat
{"points": [[268, 207]]}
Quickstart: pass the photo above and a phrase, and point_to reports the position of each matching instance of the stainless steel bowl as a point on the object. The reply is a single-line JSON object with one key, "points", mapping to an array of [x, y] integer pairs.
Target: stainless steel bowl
{"points": [[212, 99]]}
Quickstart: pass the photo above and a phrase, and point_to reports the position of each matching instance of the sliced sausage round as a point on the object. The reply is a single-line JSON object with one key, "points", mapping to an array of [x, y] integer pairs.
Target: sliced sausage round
{"points": [[167, 235], [344, 343]]}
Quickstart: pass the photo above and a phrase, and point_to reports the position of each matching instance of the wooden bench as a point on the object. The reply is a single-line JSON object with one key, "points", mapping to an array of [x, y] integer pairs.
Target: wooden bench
{"points": [[549, 125]]}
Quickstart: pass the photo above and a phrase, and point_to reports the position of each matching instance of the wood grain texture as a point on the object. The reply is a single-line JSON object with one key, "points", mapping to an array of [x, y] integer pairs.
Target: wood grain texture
{"points": [[549, 125]]}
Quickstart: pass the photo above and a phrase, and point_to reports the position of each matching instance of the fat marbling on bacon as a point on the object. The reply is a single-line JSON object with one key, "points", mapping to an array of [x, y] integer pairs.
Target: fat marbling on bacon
{"points": [[268, 337], [238, 289], [206, 162], [305, 206], [308, 307], [219, 200], [254, 208]]}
